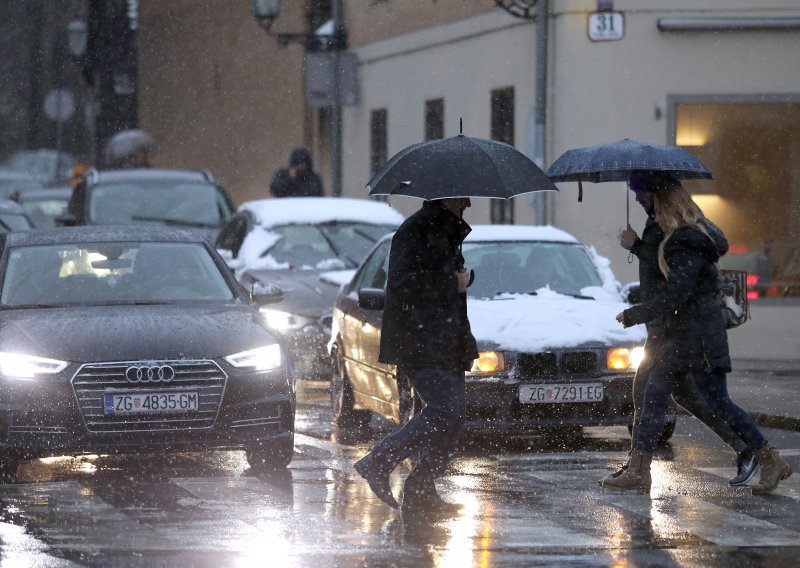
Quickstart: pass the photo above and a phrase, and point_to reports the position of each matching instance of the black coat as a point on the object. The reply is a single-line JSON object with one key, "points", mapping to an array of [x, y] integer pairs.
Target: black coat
{"points": [[694, 334], [424, 316], [309, 185], [651, 279]]}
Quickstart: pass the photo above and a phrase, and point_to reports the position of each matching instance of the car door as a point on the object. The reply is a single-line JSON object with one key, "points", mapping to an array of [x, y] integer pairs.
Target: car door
{"points": [[373, 382]]}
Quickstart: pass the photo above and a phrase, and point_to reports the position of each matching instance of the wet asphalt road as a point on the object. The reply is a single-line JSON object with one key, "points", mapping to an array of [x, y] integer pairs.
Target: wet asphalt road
{"points": [[532, 501]]}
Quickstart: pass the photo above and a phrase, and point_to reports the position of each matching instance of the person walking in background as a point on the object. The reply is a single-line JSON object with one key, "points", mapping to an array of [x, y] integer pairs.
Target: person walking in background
{"points": [[694, 341], [652, 283], [426, 333], [299, 179]]}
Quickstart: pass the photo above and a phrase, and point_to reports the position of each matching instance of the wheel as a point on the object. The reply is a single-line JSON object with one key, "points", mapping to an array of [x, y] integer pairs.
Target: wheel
{"points": [[342, 405], [274, 455], [8, 468]]}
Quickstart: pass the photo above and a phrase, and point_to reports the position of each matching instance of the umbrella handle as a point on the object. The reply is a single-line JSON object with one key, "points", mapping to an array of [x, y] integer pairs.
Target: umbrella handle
{"points": [[630, 257]]}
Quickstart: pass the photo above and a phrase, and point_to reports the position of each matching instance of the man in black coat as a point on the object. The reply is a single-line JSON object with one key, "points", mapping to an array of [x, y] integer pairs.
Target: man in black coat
{"points": [[426, 333], [299, 179]]}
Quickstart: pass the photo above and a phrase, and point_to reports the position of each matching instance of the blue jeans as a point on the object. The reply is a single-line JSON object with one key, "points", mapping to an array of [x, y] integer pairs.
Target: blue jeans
{"points": [[712, 386], [432, 434]]}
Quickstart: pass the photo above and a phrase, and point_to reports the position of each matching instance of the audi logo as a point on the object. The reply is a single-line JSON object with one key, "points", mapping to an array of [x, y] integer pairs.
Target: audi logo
{"points": [[149, 373]]}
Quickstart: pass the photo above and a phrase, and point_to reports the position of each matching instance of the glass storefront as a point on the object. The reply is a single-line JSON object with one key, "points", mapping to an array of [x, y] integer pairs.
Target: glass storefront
{"points": [[753, 149]]}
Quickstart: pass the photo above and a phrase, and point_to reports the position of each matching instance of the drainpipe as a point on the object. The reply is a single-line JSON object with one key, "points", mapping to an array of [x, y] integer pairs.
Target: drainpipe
{"points": [[540, 107]]}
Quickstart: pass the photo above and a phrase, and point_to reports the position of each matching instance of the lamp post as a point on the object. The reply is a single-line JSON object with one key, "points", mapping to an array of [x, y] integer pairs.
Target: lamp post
{"points": [[266, 12], [536, 10], [78, 41]]}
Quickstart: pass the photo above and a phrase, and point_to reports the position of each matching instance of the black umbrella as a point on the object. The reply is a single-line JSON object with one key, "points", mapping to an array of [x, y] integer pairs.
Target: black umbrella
{"points": [[459, 167], [616, 161]]}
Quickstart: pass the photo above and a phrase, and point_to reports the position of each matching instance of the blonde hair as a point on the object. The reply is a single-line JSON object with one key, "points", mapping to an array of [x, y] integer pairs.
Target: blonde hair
{"points": [[676, 209]]}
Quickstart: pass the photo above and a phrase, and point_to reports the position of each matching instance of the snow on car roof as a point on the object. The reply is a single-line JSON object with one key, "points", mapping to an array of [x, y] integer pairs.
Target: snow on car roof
{"points": [[297, 210], [519, 233]]}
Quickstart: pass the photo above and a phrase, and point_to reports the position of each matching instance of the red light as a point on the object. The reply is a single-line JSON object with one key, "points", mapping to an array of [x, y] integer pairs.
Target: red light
{"points": [[752, 295], [738, 249], [752, 279]]}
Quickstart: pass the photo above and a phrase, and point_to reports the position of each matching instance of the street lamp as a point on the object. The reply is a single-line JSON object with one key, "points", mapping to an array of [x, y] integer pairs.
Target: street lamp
{"points": [[77, 37], [266, 12], [78, 42]]}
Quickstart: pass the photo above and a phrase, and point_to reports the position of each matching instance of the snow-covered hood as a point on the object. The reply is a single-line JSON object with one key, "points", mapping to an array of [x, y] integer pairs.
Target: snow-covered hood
{"points": [[548, 320]]}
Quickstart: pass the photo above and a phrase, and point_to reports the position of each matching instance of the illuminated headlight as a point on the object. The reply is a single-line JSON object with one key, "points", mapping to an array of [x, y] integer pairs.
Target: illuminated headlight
{"points": [[261, 359], [284, 321], [28, 366], [622, 358], [488, 362]]}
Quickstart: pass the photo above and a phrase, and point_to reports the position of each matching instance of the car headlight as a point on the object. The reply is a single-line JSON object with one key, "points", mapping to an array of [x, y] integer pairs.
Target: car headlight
{"points": [[488, 362], [284, 321], [621, 358], [261, 359], [28, 366]]}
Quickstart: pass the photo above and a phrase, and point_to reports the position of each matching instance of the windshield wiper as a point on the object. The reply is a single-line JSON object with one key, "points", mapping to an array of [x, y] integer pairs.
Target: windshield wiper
{"points": [[168, 221], [578, 296]]}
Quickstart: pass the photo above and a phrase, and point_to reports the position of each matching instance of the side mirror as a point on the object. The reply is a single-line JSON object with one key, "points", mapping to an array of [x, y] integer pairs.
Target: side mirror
{"points": [[371, 298], [264, 293], [632, 293], [66, 220]]}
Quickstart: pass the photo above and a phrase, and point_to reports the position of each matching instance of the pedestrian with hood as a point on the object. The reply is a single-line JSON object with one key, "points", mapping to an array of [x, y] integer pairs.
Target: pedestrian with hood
{"points": [[694, 341], [426, 333], [652, 282], [299, 179]]}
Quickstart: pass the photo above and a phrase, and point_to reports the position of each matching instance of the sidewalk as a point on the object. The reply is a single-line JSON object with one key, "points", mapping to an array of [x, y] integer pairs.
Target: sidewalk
{"points": [[769, 390]]}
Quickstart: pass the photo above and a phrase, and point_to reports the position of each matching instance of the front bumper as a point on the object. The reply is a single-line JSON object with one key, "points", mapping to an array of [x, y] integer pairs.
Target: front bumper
{"points": [[65, 413], [493, 405]]}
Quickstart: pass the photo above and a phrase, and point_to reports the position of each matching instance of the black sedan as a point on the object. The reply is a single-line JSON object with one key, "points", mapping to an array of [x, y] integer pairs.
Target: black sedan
{"points": [[134, 339]]}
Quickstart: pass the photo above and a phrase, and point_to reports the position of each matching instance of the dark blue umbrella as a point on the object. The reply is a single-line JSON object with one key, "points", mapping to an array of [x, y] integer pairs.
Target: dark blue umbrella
{"points": [[459, 166]]}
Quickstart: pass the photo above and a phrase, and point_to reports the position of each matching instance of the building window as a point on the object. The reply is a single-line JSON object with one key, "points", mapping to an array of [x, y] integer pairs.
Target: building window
{"points": [[502, 210], [378, 153], [751, 147], [434, 119]]}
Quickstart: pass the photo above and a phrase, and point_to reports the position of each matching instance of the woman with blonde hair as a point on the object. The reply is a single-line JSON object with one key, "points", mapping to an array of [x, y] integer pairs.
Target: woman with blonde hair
{"points": [[694, 344]]}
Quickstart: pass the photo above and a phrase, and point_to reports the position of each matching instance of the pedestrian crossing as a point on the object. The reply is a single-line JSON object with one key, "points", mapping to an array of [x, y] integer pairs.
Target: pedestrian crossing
{"points": [[538, 502]]}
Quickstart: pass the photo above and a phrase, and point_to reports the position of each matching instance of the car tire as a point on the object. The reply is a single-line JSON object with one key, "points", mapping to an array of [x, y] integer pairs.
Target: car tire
{"points": [[8, 468], [344, 414], [271, 455]]}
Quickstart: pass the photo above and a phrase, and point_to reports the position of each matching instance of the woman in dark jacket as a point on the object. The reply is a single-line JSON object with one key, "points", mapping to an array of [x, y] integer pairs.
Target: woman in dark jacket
{"points": [[694, 345]]}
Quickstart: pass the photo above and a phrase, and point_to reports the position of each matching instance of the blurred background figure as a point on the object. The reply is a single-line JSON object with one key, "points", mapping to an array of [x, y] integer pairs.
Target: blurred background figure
{"points": [[299, 179], [129, 149]]}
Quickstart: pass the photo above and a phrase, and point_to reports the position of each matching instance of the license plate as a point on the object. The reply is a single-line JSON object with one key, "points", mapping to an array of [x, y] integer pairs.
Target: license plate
{"points": [[150, 402], [561, 393]]}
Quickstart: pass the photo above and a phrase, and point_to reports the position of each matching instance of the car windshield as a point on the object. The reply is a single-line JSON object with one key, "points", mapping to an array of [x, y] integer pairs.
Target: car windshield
{"points": [[326, 246], [184, 204], [525, 267], [111, 273]]}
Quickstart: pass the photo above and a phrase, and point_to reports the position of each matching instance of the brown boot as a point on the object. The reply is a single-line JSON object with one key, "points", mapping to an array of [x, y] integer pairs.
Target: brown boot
{"points": [[773, 469], [635, 477]]}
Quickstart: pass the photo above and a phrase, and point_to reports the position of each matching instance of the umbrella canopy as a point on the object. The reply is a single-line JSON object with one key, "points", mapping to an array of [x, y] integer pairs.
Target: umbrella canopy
{"points": [[617, 160], [126, 143], [459, 167]]}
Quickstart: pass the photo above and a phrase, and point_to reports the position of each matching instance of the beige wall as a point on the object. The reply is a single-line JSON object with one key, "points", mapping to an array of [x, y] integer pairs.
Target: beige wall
{"points": [[219, 93]]}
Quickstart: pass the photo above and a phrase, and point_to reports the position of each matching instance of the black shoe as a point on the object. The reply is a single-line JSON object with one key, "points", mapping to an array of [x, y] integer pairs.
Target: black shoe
{"points": [[429, 504], [746, 468], [377, 479]]}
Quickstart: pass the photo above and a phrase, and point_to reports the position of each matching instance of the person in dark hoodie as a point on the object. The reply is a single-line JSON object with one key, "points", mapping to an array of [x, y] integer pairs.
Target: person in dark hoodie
{"points": [[645, 185], [426, 333], [694, 342], [299, 179]]}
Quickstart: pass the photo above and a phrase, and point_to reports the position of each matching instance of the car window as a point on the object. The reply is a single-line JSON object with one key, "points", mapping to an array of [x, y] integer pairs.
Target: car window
{"points": [[190, 204], [354, 240], [111, 273], [524, 267], [375, 269]]}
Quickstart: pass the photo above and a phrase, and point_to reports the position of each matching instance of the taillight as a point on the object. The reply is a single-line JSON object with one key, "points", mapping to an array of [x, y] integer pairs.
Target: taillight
{"points": [[752, 279], [752, 295]]}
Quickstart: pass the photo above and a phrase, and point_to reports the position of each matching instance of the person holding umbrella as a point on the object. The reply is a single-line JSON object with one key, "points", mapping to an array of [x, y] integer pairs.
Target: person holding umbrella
{"points": [[644, 185], [694, 344], [426, 333]]}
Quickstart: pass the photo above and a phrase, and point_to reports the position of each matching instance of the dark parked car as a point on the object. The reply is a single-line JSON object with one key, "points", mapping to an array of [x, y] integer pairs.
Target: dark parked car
{"points": [[309, 247], [191, 199], [44, 206], [135, 339], [13, 217], [542, 309]]}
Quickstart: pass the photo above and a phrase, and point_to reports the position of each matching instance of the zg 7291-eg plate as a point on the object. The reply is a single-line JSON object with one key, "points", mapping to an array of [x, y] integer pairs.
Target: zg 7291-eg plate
{"points": [[561, 393]]}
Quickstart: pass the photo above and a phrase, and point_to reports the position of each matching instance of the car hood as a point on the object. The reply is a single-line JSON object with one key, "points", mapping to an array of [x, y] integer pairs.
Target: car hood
{"points": [[120, 333], [310, 293], [548, 320]]}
